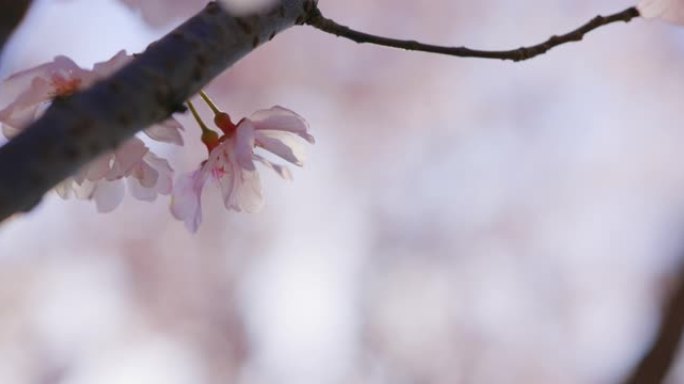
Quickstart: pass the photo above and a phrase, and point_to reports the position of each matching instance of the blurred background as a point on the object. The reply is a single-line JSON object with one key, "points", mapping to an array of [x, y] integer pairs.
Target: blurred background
{"points": [[458, 220]]}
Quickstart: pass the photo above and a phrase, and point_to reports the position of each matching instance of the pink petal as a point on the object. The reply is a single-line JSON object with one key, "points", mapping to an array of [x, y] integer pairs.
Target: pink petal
{"points": [[107, 68], [186, 204], [139, 191], [670, 10], [168, 131], [158, 163], [243, 145], [31, 87], [145, 174], [281, 119], [149, 177], [24, 109], [281, 170], [165, 181], [240, 187], [126, 156], [108, 195], [98, 168], [60, 64], [37, 85], [9, 131], [241, 190], [283, 144]]}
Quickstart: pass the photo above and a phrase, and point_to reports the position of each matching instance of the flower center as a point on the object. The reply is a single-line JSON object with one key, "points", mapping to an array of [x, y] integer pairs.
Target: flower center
{"points": [[63, 86], [222, 120]]}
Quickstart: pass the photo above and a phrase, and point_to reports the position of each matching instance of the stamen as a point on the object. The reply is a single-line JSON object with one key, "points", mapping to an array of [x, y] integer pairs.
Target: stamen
{"points": [[63, 86], [221, 119], [210, 103], [209, 137]]}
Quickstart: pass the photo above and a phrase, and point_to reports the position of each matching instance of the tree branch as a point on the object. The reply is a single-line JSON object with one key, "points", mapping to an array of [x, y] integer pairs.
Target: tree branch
{"points": [[13, 12], [76, 129], [317, 20], [656, 363]]}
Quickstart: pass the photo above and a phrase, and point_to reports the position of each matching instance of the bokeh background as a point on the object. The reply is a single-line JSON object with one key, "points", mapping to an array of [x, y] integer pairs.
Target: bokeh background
{"points": [[458, 220]]}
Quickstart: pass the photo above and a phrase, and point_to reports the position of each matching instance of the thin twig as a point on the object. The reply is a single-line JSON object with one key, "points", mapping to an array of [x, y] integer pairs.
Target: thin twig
{"points": [[656, 363], [317, 20]]}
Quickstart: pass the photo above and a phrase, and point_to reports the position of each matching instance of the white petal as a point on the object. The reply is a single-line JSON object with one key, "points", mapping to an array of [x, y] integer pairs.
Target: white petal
{"points": [[108, 195], [63, 189], [26, 106], [106, 68], [244, 145], [83, 190], [281, 119], [145, 174], [98, 168], [9, 131], [164, 182], [281, 170], [186, 204], [126, 156], [60, 64], [241, 190], [139, 191], [166, 132], [283, 144], [149, 177], [35, 86], [162, 165]]}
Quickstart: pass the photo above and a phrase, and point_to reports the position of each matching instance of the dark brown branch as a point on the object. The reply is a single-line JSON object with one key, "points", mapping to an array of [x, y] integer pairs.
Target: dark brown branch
{"points": [[317, 20], [11, 14], [661, 354]]}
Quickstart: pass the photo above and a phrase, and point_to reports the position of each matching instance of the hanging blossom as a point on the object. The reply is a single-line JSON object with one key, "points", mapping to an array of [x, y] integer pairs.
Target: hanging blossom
{"points": [[102, 179], [669, 10], [232, 158]]}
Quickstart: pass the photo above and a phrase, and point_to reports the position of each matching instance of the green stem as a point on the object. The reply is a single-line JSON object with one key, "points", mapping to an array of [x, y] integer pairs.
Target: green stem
{"points": [[210, 103]]}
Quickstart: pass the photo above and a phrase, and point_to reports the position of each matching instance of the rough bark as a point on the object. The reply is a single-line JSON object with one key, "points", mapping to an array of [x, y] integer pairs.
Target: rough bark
{"points": [[76, 129]]}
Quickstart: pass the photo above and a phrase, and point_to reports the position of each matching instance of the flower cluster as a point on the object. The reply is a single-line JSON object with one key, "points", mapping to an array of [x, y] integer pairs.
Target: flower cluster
{"points": [[231, 160], [102, 180], [231, 157]]}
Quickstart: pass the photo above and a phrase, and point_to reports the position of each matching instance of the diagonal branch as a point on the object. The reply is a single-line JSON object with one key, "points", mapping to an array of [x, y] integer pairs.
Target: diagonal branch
{"points": [[317, 20], [656, 363], [76, 129], [11, 14]]}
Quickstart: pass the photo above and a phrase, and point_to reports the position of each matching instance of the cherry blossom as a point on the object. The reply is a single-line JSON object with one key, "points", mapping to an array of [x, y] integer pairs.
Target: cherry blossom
{"points": [[669, 10], [146, 175], [38, 86], [231, 162], [102, 180]]}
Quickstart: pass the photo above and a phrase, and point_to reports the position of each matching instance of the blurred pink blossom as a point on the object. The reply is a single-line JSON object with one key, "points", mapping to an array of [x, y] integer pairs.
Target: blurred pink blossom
{"points": [[669, 10], [231, 162]]}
